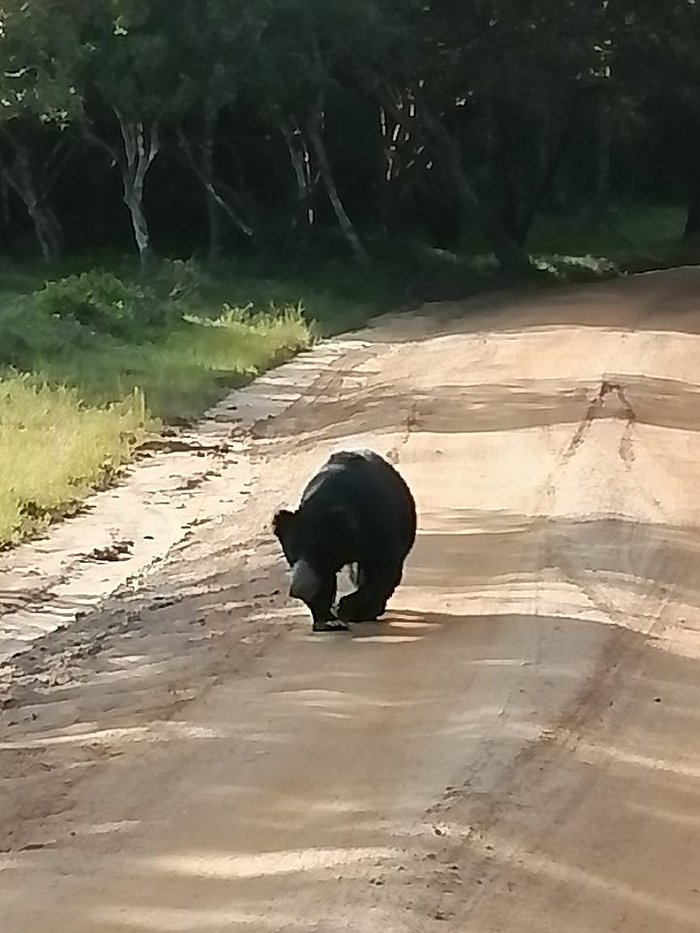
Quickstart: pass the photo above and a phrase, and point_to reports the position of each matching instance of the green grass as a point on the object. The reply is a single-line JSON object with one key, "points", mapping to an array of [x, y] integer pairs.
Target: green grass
{"points": [[189, 368], [54, 450], [74, 403]]}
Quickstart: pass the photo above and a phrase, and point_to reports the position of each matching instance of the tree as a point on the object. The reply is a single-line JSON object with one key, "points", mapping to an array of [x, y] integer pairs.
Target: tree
{"points": [[296, 117], [657, 61], [216, 41], [130, 72], [498, 86], [39, 100], [417, 76], [308, 43]]}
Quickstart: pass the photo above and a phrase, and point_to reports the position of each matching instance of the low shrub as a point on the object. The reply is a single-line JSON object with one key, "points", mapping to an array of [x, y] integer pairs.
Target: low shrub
{"points": [[102, 303]]}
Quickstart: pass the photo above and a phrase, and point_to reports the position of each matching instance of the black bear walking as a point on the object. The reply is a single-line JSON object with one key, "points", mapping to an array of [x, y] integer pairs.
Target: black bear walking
{"points": [[357, 510]]}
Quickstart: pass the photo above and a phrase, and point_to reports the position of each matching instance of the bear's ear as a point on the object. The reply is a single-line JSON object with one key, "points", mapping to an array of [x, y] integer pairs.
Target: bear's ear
{"points": [[282, 521]]}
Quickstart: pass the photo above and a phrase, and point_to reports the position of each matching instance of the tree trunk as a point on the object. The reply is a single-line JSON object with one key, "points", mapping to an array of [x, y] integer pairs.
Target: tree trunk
{"points": [[344, 222], [511, 257], [446, 150], [549, 175], [510, 218], [133, 198], [400, 153], [604, 138], [300, 157], [20, 177], [140, 146], [214, 225], [200, 160], [45, 226], [213, 209]]}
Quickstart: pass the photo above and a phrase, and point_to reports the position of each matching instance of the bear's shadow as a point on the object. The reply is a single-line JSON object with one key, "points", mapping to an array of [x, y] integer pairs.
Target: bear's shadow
{"points": [[398, 626]]}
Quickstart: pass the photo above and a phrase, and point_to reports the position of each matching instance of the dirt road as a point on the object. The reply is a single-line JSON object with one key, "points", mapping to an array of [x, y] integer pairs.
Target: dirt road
{"points": [[516, 749]]}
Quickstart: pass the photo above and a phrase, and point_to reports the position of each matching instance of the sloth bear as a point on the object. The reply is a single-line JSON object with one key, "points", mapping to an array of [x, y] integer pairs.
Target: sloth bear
{"points": [[357, 511]]}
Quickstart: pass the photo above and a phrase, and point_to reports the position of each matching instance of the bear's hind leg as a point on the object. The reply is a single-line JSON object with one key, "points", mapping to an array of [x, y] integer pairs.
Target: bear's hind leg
{"points": [[369, 601]]}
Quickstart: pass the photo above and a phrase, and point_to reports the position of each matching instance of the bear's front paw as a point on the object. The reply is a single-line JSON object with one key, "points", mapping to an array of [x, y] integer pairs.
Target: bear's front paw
{"points": [[330, 625]]}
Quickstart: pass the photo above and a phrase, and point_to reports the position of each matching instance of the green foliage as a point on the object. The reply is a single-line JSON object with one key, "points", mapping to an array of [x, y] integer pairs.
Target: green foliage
{"points": [[560, 269], [39, 49], [432, 116], [27, 333], [102, 303], [129, 58]]}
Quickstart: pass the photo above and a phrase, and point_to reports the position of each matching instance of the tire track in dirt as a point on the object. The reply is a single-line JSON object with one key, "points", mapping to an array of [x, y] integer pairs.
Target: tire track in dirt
{"points": [[620, 660]]}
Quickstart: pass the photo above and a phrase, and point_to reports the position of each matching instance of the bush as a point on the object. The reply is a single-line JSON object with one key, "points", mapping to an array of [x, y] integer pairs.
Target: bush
{"points": [[102, 303], [575, 269], [26, 334]]}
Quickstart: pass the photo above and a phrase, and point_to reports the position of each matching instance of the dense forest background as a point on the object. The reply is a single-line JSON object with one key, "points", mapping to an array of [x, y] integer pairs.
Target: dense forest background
{"points": [[281, 127]]}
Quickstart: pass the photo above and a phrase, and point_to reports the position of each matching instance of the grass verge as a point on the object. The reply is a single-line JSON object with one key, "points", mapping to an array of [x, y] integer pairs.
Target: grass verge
{"points": [[75, 403], [55, 450]]}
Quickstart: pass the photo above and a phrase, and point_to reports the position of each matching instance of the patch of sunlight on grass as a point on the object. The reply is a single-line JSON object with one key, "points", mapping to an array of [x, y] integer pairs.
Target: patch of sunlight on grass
{"points": [[191, 367], [54, 450]]}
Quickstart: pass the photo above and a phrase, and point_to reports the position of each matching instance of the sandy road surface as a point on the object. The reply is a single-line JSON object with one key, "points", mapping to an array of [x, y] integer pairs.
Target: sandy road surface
{"points": [[516, 749]]}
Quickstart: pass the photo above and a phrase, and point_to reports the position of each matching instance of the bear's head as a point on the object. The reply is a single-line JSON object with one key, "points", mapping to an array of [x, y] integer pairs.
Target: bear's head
{"points": [[316, 544]]}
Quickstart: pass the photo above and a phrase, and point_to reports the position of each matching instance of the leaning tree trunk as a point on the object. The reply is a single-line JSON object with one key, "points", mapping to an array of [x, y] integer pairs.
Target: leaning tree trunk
{"points": [[213, 208], [305, 175], [510, 215], [447, 151], [200, 159], [140, 146], [214, 225], [47, 231], [400, 151], [549, 173], [603, 154], [20, 177], [315, 124], [511, 256]]}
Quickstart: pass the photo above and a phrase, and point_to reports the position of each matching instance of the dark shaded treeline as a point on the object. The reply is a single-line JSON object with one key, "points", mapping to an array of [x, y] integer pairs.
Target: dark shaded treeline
{"points": [[278, 126]]}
